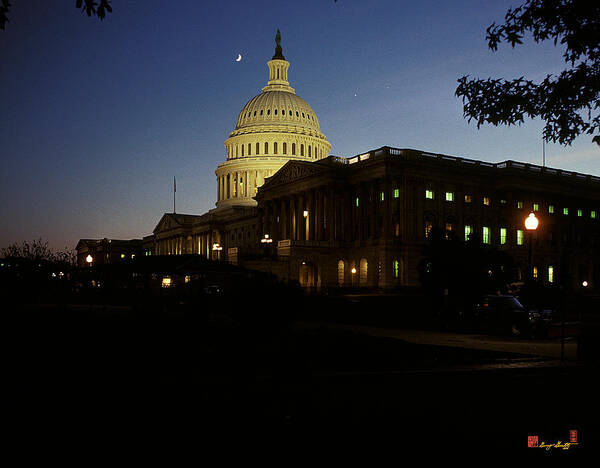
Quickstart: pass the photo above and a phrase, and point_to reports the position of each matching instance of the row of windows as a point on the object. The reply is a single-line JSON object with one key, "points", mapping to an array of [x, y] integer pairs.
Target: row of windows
{"points": [[311, 151], [429, 195], [486, 233], [282, 113]]}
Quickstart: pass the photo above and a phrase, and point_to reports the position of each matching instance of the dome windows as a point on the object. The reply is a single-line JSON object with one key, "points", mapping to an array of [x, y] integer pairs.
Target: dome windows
{"points": [[294, 149], [261, 112], [290, 112], [254, 113], [268, 111], [285, 147], [266, 148], [297, 115], [257, 149], [275, 148], [275, 111]]}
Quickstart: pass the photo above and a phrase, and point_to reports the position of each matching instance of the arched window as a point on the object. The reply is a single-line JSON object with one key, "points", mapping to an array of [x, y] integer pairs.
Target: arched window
{"points": [[275, 111], [297, 115], [340, 271], [290, 112], [284, 148], [257, 149], [294, 149], [362, 280], [266, 148], [261, 112], [309, 155], [277, 77], [275, 148], [254, 113], [302, 150], [249, 149], [268, 111], [282, 112], [242, 150]]}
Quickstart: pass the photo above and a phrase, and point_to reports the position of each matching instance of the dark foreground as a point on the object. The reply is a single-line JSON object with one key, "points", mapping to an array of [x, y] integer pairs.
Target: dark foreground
{"points": [[109, 386]]}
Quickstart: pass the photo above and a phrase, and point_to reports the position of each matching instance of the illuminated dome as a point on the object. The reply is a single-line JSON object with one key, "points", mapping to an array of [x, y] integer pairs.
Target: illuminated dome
{"points": [[272, 128]]}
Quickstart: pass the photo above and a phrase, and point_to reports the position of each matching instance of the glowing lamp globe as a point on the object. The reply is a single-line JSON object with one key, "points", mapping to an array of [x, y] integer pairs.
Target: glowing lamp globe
{"points": [[531, 223]]}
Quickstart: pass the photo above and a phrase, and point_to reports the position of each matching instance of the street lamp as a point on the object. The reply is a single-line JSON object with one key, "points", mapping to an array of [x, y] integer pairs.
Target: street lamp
{"points": [[266, 239], [89, 260], [217, 248], [531, 224]]}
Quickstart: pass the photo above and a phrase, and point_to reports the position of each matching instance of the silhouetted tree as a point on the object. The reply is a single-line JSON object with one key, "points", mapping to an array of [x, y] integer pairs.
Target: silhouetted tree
{"points": [[38, 250], [90, 7], [569, 103]]}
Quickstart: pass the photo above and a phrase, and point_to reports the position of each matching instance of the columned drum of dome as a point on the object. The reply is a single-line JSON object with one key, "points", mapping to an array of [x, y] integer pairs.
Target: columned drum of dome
{"points": [[273, 128]]}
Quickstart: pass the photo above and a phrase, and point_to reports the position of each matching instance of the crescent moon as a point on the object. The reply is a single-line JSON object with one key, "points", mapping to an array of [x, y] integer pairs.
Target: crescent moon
{"points": [[239, 58]]}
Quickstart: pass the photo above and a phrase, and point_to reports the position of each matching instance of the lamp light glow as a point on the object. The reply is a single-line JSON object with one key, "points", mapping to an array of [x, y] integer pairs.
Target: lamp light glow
{"points": [[531, 222], [89, 259]]}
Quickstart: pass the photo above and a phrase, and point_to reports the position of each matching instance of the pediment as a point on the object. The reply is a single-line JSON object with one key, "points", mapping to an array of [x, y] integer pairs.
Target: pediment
{"points": [[166, 223], [292, 171]]}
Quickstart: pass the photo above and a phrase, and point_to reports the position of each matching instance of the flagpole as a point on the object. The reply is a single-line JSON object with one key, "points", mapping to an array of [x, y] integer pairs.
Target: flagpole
{"points": [[174, 191]]}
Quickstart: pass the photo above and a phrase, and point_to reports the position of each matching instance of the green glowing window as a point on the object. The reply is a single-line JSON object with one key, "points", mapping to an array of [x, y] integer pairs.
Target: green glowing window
{"points": [[502, 236], [550, 209], [486, 235], [468, 232], [579, 213], [593, 214], [536, 207], [396, 193], [566, 211], [450, 196], [520, 205], [382, 196], [429, 194], [519, 237], [396, 268], [551, 274], [357, 201]]}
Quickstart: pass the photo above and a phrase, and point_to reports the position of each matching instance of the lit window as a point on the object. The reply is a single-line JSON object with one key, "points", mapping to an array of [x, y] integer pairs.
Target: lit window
{"points": [[520, 205], [450, 196], [535, 272], [187, 278], [396, 268], [593, 214], [428, 228], [429, 194], [449, 230], [122, 255], [579, 213], [551, 209], [468, 232], [503, 201], [551, 274], [486, 201], [566, 211], [396, 193], [468, 198], [536, 207], [382, 196], [166, 282], [502, 236], [486, 235], [519, 237], [357, 201]]}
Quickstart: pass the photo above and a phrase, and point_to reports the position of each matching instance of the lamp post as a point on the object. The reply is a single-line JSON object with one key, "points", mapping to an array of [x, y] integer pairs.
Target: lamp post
{"points": [[89, 259], [531, 224]]}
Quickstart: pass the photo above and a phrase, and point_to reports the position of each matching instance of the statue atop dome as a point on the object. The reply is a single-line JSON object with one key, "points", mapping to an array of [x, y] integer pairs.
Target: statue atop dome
{"points": [[278, 51]]}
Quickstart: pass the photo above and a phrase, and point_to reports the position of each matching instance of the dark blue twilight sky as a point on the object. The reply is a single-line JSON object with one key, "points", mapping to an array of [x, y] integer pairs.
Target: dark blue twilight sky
{"points": [[97, 117]]}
